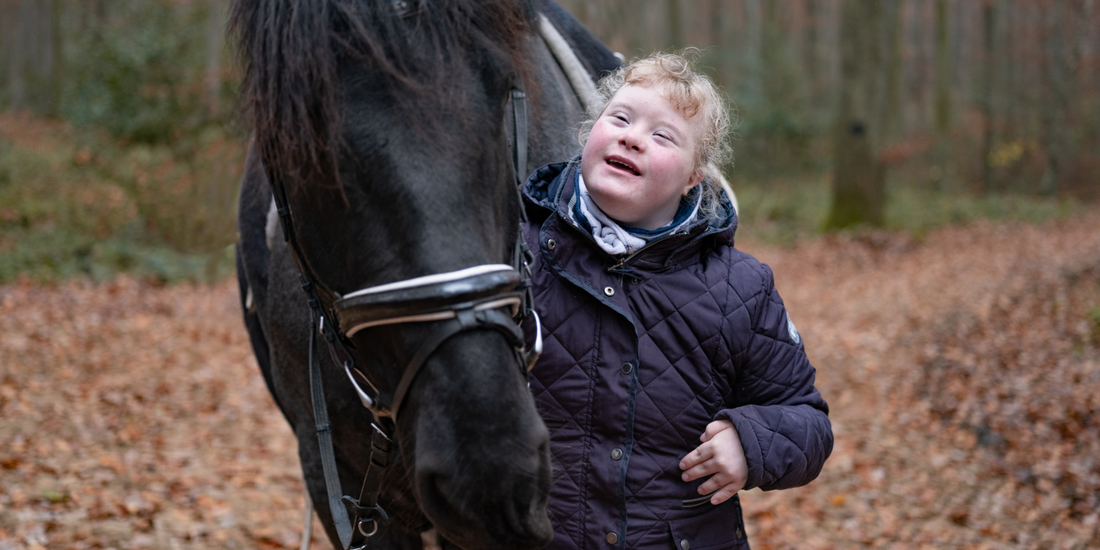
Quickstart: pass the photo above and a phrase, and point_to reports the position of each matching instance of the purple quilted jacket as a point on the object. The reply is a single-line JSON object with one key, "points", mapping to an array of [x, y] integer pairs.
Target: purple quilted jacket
{"points": [[639, 356]]}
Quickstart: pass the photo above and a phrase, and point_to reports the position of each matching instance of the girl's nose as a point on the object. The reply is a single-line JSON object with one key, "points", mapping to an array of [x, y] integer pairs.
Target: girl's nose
{"points": [[631, 140]]}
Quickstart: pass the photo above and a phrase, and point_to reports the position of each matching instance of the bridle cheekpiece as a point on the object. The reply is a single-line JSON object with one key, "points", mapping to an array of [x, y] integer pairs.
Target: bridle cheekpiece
{"points": [[473, 298]]}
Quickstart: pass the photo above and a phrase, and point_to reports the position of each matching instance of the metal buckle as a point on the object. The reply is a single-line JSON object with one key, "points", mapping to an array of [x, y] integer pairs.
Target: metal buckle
{"points": [[532, 355]]}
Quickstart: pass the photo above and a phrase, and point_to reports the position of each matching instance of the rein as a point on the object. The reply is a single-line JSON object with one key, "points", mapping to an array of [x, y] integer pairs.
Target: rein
{"points": [[460, 301]]}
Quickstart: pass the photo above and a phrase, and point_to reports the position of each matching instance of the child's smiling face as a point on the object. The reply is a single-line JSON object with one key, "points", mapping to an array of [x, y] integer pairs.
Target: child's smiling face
{"points": [[640, 158]]}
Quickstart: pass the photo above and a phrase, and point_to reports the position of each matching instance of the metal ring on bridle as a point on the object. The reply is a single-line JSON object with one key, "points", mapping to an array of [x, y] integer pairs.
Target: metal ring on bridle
{"points": [[372, 531]]}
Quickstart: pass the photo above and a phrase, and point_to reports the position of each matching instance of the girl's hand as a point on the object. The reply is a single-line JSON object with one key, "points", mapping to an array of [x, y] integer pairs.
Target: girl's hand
{"points": [[721, 455]]}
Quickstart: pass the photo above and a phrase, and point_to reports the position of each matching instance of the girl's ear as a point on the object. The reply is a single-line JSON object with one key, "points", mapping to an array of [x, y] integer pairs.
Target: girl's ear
{"points": [[696, 177]]}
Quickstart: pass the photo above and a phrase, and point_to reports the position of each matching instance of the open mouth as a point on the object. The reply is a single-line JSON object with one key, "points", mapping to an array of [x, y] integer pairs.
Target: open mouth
{"points": [[620, 165]]}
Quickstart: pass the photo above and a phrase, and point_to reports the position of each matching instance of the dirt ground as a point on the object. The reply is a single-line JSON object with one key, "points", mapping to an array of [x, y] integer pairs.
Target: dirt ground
{"points": [[962, 369]]}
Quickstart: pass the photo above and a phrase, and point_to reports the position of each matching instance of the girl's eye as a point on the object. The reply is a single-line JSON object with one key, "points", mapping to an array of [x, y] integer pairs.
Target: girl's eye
{"points": [[665, 137]]}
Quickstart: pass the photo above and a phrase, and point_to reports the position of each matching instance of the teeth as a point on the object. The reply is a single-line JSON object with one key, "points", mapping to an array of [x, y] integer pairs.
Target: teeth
{"points": [[624, 165]]}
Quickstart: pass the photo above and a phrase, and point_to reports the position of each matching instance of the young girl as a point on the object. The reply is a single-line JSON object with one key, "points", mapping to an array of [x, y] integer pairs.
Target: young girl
{"points": [[671, 376]]}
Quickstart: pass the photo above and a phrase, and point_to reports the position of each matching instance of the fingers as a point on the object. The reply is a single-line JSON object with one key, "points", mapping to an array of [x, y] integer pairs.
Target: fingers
{"points": [[698, 471], [714, 428], [725, 493], [725, 482], [692, 463], [720, 457]]}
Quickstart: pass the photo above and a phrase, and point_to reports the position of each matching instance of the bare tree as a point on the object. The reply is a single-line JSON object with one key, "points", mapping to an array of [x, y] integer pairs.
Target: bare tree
{"points": [[215, 29], [989, 64], [810, 45], [891, 38], [943, 94], [858, 175], [675, 24], [33, 52], [1054, 108], [54, 68], [23, 44]]}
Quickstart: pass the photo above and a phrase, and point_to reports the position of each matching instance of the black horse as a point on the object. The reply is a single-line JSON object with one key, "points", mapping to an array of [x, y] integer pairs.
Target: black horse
{"points": [[386, 127]]}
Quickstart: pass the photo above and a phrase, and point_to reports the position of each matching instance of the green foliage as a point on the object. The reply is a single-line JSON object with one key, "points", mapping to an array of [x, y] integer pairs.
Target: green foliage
{"points": [[1093, 316], [778, 142], [783, 210], [140, 77], [54, 253], [80, 207], [144, 177], [917, 208], [185, 195]]}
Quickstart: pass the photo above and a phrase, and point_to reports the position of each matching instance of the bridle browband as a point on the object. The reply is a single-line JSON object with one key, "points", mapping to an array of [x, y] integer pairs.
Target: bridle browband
{"points": [[459, 301]]}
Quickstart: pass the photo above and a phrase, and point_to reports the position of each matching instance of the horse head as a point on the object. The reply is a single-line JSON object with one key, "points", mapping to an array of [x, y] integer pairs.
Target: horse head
{"points": [[385, 124]]}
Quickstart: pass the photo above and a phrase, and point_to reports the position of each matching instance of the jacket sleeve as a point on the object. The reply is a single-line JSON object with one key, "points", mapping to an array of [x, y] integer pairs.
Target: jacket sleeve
{"points": [[781, 418]]}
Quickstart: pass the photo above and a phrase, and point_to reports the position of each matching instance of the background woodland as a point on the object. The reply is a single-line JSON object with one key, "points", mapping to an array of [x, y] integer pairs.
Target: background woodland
{"points": [[901, 114], [921, 174]]}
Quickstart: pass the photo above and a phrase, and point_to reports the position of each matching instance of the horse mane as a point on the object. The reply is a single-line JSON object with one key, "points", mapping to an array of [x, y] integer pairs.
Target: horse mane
{"points": [[292, 50]]}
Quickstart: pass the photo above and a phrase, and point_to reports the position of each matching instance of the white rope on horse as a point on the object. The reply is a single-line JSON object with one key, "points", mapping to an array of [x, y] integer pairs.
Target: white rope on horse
{"points": [[574, 71]]}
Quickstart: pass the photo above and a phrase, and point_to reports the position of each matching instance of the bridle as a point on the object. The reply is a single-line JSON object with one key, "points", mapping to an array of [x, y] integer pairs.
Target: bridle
{"points": [[492, 296]]}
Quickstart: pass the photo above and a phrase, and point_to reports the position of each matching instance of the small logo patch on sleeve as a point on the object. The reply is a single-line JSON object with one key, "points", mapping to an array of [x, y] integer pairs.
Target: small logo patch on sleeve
{"points": [[793, 332]]}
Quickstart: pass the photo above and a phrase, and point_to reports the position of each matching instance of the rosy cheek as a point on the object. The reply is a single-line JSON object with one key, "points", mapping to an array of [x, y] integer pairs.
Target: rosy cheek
{"points": [[587, 155]]}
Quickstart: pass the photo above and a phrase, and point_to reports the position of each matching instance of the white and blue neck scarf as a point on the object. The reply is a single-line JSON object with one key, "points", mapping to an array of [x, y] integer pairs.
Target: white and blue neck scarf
{"points": [[616, 238]]}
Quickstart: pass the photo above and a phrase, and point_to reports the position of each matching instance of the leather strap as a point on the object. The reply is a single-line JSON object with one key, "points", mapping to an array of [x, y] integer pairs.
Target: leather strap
{"points": [[324, 442], [466, 319], [366, 510], [519, 122]]}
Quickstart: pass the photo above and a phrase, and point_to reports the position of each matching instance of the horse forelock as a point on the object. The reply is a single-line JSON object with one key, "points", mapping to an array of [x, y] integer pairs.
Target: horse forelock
{"points": [[292, 51]]}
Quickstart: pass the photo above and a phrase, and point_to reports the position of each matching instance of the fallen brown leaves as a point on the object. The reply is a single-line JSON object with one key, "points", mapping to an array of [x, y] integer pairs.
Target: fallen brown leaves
{"points": [[962, 372], [963, 376], [134, 416]]}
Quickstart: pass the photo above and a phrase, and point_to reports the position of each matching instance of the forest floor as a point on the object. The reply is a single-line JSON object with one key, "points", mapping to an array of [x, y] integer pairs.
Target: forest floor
{"points": [[962, 371]]}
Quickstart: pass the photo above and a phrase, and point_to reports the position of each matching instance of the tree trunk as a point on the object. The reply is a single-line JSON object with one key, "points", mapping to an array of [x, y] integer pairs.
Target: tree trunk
{"points": [[989, 63], [55, 63], [1009, 71], [1088, 76], [19, 76], [770, 67], [753, 25], [8, 32], [719, 48], [675, 26], [810, 46], [858, 176], [215, 30], [943, 95], [1054, 107], [892, 41], [34, 59]]}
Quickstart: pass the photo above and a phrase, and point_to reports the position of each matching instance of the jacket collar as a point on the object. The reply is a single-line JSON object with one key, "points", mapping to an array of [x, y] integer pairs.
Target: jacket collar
{"points": [[550, 188]]}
